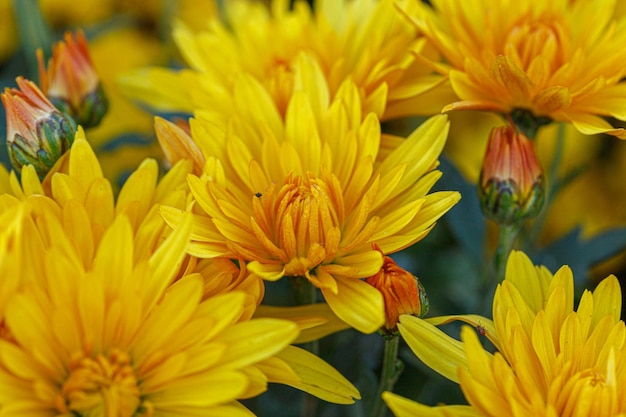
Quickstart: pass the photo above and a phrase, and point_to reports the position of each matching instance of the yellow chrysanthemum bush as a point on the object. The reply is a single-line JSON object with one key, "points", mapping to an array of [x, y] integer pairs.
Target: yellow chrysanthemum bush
{"points": [[365, 40], [551, 359], [308, 197]]}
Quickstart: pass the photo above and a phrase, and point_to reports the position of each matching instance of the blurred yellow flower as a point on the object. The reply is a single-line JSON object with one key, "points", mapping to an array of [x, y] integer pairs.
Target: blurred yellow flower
{"points": [[551, 360], [503, 56], [365, 40], [64, 13], [307, 198], [8, 30]]}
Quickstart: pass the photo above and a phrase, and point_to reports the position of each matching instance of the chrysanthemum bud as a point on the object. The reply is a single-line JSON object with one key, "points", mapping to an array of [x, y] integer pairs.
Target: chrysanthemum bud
{"points": [[402, 292], [71, 82], [37, 132], [512, 186]]}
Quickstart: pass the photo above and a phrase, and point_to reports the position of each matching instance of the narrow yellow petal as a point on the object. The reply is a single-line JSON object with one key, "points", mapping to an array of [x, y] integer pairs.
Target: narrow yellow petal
{"points": [[167, 259], [403, 407], [256, 340], [436, 349], [319, 378], [483, 325], [84, 165], [270, 272], [315, 320], [607, 300], [357, 303]]}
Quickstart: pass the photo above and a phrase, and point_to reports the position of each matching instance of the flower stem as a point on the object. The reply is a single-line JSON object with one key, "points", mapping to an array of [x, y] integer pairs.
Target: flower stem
{"points": [[305, 293], [34, 33], [392, 367], [554, 184], [507, 234]]}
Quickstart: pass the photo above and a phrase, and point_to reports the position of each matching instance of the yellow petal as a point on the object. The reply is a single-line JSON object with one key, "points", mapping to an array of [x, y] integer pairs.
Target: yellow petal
{"points": [[315, 320], [84, 165], [483, 325], [255, 340], [319, 378], [589, 124], [166, 261], [403, 407], [436, 349], [357, 303], [552, 99], [270, 272], [607, 300]]}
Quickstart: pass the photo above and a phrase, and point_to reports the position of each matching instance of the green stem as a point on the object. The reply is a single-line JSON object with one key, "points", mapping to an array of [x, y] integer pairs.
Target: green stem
{"points": [[553, 183], [34, 33], [391, 370], [507, 234], [305, 293]]}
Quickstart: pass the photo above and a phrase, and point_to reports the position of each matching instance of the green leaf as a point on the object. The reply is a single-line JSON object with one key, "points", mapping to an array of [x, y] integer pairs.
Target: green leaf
{"points": [[465, 219]]}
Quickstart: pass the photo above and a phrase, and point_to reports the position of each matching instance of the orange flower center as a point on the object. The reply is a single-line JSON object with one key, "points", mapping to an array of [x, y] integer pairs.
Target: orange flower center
{"points": [[101, 386], [299, 222]]}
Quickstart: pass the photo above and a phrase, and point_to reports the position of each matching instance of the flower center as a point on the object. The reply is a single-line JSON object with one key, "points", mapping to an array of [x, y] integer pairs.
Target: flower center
{"points": [[588, 393], [298, 222], [279, 81], [533, 38], [101, 386]]}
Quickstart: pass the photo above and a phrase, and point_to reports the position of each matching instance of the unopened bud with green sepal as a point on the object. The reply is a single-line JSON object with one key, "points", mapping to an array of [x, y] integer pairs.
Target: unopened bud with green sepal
{"points": [[512, 184], [38, 134]]}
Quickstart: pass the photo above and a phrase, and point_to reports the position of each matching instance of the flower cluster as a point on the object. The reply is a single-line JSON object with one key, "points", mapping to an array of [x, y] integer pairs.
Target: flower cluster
{"points": [[185, 215]]}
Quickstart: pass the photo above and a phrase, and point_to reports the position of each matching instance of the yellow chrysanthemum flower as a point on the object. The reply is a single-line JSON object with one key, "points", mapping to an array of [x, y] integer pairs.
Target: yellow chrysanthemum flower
{"points": [[118, 338], [84, 206], [536, 56], [551, 360], [78, 186], [307, 197], [367, 41]]}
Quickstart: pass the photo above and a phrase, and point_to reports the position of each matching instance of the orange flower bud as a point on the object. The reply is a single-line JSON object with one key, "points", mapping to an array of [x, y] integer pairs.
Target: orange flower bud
{"points": [[402, 292], [37, 132], [71, 82], [512, 186]]}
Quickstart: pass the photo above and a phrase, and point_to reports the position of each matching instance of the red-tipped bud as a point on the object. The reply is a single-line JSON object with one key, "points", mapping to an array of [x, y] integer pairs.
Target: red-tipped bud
{"points": [[402, 292], [37, 132], [71, 82], [512, 186]]}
